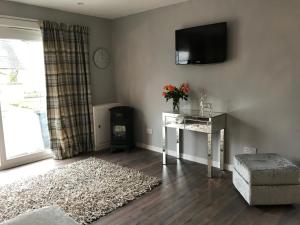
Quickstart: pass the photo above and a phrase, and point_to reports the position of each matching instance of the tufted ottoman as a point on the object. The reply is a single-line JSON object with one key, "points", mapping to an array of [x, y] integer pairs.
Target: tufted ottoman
{"points": [[266, 179]]}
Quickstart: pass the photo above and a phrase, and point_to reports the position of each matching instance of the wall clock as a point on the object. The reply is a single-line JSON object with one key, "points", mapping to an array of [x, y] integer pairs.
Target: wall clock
{"points": [[101, 58]]}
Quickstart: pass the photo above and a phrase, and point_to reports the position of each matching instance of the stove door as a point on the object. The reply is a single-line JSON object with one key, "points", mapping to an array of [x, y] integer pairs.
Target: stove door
{"points": [[119, 132]]}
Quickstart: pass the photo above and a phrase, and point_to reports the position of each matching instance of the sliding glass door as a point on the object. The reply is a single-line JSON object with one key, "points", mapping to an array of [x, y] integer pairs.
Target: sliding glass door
{"points": [[24, 132]]}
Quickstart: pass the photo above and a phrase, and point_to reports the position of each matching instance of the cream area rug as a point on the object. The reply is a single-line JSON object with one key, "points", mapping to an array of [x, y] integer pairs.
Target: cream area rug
{"points": [[85, 190]]}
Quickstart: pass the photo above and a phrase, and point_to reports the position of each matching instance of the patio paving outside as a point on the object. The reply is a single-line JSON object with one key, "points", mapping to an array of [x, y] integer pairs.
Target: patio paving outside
{"points": [[23, 132]]}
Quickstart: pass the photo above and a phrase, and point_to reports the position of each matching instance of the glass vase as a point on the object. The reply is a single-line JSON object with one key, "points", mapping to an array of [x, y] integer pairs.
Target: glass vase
{"points": [[176, 105]]}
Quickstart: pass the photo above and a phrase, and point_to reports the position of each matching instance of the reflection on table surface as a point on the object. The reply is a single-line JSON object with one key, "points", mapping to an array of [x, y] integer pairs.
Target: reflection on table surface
{"points": [[195, 113]]}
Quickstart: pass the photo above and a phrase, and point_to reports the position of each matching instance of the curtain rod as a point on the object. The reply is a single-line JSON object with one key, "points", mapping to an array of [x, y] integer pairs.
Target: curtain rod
{"points": [[18, 18]]}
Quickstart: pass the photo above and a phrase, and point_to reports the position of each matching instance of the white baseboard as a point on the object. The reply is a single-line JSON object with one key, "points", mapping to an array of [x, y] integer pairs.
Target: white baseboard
{"points": [[184, 156]]}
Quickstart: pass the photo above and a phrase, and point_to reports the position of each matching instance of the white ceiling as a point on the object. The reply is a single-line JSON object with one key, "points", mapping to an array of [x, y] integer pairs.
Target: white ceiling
{"points": [[110, 9]]}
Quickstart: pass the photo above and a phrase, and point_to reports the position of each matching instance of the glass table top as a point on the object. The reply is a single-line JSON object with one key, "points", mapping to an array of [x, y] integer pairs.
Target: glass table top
{"points": [[196, 113]]}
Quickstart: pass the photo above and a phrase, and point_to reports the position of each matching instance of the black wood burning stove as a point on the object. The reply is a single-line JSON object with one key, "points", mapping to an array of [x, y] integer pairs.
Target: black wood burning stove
{"points": [[121, 122]]}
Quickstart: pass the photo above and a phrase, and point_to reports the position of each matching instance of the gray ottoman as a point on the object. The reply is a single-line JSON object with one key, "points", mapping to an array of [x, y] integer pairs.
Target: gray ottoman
{"points": [[44, 216], [266, 179]]}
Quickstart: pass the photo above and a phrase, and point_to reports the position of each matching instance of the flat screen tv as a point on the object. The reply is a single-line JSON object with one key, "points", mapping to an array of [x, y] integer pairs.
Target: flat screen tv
{"points": [[201, 45]]}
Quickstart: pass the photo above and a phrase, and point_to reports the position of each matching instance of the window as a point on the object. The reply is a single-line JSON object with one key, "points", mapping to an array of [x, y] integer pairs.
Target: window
{"points": [[22, 89]]}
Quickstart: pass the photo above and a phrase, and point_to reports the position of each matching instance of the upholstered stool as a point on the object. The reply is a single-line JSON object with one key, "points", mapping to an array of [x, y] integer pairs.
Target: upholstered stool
{"points": [[44, 216], [266, 179]]}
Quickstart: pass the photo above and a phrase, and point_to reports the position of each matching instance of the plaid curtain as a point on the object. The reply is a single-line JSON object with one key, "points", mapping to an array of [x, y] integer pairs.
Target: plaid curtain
{"points": [[69, 107]]}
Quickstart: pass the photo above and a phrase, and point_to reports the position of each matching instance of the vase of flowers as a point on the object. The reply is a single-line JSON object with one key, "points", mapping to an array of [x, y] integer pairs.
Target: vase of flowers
{"points": [[176, 93]]}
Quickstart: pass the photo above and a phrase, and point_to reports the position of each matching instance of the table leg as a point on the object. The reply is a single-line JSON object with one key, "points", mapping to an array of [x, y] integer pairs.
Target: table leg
{"points": [[209, 155], [164, 144], [222, 148], [178, 142]]}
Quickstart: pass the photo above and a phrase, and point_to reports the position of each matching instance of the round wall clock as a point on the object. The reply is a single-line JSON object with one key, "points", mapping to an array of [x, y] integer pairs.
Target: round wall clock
{"points": [[101, 58]]}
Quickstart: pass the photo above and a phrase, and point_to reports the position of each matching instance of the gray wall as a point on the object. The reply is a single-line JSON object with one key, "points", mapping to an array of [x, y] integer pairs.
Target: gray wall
{"points": [[100, 36], [258, 86]]}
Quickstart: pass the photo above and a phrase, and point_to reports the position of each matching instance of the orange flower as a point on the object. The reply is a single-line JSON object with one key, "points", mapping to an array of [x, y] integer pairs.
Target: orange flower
{"points": [[171, 87]]}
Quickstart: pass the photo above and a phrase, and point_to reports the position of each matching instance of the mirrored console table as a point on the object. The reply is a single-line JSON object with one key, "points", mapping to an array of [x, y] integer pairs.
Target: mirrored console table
{"points": [[193, 120]]}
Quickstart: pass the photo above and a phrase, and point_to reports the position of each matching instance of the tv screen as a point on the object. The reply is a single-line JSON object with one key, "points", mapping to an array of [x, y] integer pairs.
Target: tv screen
{"points": [[201, 45]]}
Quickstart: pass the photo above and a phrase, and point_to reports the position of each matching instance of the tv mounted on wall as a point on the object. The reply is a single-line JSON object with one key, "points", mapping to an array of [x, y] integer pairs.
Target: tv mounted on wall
{"points": [[201, 45]]}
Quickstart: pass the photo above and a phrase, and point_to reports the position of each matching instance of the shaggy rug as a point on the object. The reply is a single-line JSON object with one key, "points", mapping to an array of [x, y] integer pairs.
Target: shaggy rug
{"points": [[85, 190]]}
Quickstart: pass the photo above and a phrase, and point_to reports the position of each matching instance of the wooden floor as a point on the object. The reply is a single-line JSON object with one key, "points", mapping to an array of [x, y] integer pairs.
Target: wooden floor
{"points": [[186, 195]]}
